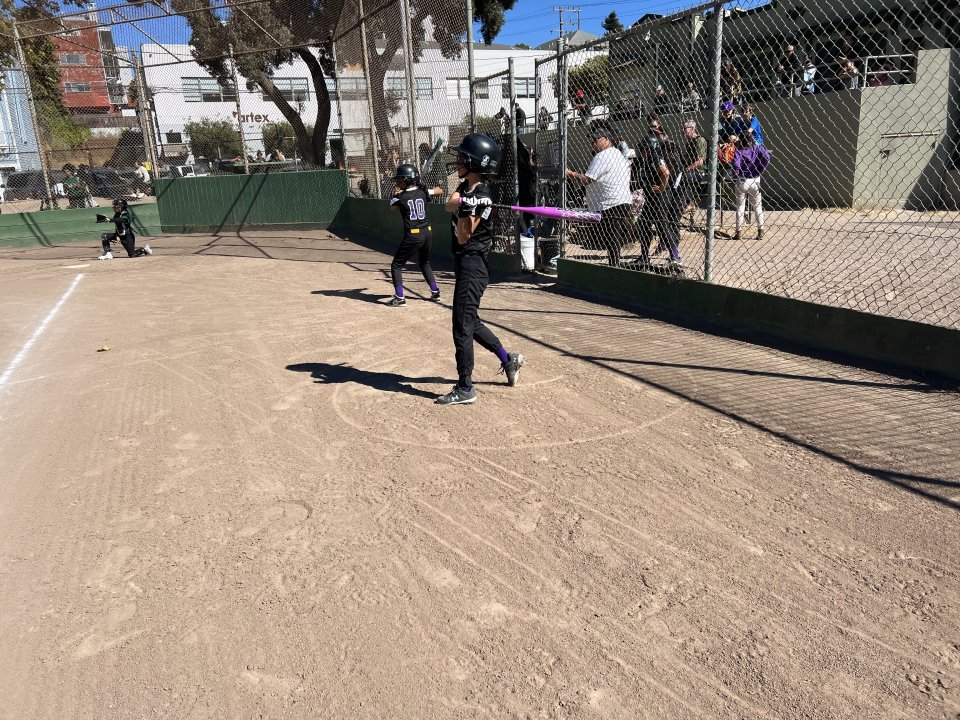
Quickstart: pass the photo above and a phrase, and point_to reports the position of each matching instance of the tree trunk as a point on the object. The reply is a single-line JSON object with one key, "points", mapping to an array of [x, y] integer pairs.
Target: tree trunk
{"points": [[304, 142], [322, 124], [379, 64]]}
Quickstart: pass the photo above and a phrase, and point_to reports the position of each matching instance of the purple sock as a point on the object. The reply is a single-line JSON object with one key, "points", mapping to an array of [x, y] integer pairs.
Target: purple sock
{"points": [[503, 354], [434, 287], [398, 290]]}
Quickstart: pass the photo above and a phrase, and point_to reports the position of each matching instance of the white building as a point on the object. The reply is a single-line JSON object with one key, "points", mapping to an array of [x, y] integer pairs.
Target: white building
{"points": [[185, 92], [18, 142]]}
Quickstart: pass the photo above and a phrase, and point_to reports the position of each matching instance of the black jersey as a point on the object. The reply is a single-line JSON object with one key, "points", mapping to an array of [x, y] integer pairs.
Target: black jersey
{"points": [[122, 222], [413, 207], [479, 204]]}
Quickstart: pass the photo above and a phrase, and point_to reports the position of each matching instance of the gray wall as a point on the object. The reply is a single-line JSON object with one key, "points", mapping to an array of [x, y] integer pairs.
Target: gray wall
{"points": [[907, 134]]}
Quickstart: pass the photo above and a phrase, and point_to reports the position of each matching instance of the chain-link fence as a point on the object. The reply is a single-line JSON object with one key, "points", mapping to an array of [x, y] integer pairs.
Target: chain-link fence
{"points": [[810, 152], [806, 152]]}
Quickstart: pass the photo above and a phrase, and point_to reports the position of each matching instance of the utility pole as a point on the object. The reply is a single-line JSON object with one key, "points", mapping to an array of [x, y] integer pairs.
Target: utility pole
{"points": [[561, 10]]}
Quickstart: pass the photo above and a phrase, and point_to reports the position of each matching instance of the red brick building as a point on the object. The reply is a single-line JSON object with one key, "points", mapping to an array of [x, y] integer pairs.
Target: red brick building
{"points": [[83, 70]]}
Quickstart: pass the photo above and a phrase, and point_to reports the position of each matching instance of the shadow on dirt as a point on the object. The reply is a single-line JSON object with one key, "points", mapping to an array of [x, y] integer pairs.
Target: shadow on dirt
{"points": [[328, 374]]}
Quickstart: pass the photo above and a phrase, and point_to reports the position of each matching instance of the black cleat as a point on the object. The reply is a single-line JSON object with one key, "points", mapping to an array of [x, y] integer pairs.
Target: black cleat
{"points": [[435, 295], [458, 396], [397, 302], [512, 368]]}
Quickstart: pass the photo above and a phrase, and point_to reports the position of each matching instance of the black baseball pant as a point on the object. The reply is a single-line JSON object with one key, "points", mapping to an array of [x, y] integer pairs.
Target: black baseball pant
{"points": [[473, 276], [413, 244], [127, 241]]}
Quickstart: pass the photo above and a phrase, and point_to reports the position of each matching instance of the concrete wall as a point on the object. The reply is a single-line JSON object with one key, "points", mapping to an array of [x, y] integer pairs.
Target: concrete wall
{"points": [[874, 338], [57, 227], [292, 201], [907, 134]]}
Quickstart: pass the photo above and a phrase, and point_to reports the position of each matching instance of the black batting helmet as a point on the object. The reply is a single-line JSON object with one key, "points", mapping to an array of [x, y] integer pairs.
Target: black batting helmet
{"points": [[407, 174], [481, 153], [120, 203]]}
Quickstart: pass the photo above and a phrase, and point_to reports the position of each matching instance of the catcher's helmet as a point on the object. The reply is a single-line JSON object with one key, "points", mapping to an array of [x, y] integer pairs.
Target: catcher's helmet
{"points": [[120, 203], [407, 175], [481, 154]]}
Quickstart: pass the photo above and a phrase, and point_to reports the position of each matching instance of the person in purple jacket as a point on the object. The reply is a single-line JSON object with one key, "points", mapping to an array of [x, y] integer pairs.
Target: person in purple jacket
{"points": [[749, 162]]}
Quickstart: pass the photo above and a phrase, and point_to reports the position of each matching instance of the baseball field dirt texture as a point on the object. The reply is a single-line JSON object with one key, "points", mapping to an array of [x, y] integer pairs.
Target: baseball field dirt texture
{"points": [[249, 506]]}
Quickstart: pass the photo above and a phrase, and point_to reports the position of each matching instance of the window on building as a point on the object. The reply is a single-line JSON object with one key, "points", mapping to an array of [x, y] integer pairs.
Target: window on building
{"points": [[526, 88], [353, 89], [459, 89], [75, 87], [174, 138], [331, 86], [396, 86], [207, 90], [292, 89], [72, 59], [424, 88]]}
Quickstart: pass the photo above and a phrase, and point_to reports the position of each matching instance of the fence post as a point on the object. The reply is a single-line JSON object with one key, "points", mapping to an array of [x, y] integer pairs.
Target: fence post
{"points": [[511, 79], [143, 113], [411, 82], [562, 139], [236, 88], [28, 86], [373, 121], [536, 160], [336, 95], [470, 67], [712, 144]]}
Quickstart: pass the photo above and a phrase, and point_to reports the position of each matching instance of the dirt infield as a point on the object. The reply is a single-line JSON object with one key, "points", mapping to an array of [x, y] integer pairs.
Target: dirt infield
{"points": [[249, 507]]}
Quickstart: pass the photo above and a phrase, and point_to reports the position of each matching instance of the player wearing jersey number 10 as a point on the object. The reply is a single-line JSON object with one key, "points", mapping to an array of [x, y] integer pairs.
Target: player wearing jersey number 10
{"points": [[411, 200]]}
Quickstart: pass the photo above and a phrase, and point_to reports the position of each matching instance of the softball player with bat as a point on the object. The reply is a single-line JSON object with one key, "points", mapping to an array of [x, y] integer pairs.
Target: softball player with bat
{"points": [[123, 233], [472, 209], [411, 199]]}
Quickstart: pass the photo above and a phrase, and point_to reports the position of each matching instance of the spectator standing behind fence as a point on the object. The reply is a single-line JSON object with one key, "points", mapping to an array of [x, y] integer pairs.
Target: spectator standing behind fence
{"points": [[662, 206], [794, 70], [849, 75], [543, 119], [277, 155], [749, 162], [694, 156], [141, 180], [691, 102], [581, 105], [661, 103], [607, 182], [809, 75], [748, 123], [259, 156], [731, 85], [780, 80], [75, 188]]}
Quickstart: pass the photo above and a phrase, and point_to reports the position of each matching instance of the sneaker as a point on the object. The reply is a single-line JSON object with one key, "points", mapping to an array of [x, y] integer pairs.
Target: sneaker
{"points": [[675, 267], [512, 368], [736, 235], [106, 256], [397, 301], [147, 250], [435, 295], [458, 396]]}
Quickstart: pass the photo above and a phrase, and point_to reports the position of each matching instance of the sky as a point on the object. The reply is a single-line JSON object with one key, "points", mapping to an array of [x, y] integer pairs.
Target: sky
{"points": [[535, 21]]}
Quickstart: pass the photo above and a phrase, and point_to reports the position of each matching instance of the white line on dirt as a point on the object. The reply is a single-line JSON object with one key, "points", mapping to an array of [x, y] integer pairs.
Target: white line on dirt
{"points": [[36, 333]]}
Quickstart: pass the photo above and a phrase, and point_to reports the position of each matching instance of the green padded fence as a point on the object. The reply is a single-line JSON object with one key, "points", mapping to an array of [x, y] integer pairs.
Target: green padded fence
{"points": [[229, 203], [58, 227]]}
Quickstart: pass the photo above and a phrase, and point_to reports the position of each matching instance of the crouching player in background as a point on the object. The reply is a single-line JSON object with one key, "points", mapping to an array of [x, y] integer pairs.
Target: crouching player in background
{"points": [[123, 233], [472, 208], [411, 199]]}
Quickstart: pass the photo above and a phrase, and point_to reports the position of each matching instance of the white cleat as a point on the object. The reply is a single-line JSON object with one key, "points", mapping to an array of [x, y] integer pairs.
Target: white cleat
{"points": [[147, 250], [106, 256]]}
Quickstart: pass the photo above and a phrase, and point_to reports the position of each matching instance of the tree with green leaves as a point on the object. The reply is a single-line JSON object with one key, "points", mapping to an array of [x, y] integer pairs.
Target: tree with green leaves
{"points": [[267, 36], [280, 135], [213, 138], [593, 77], [612, 24]]}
